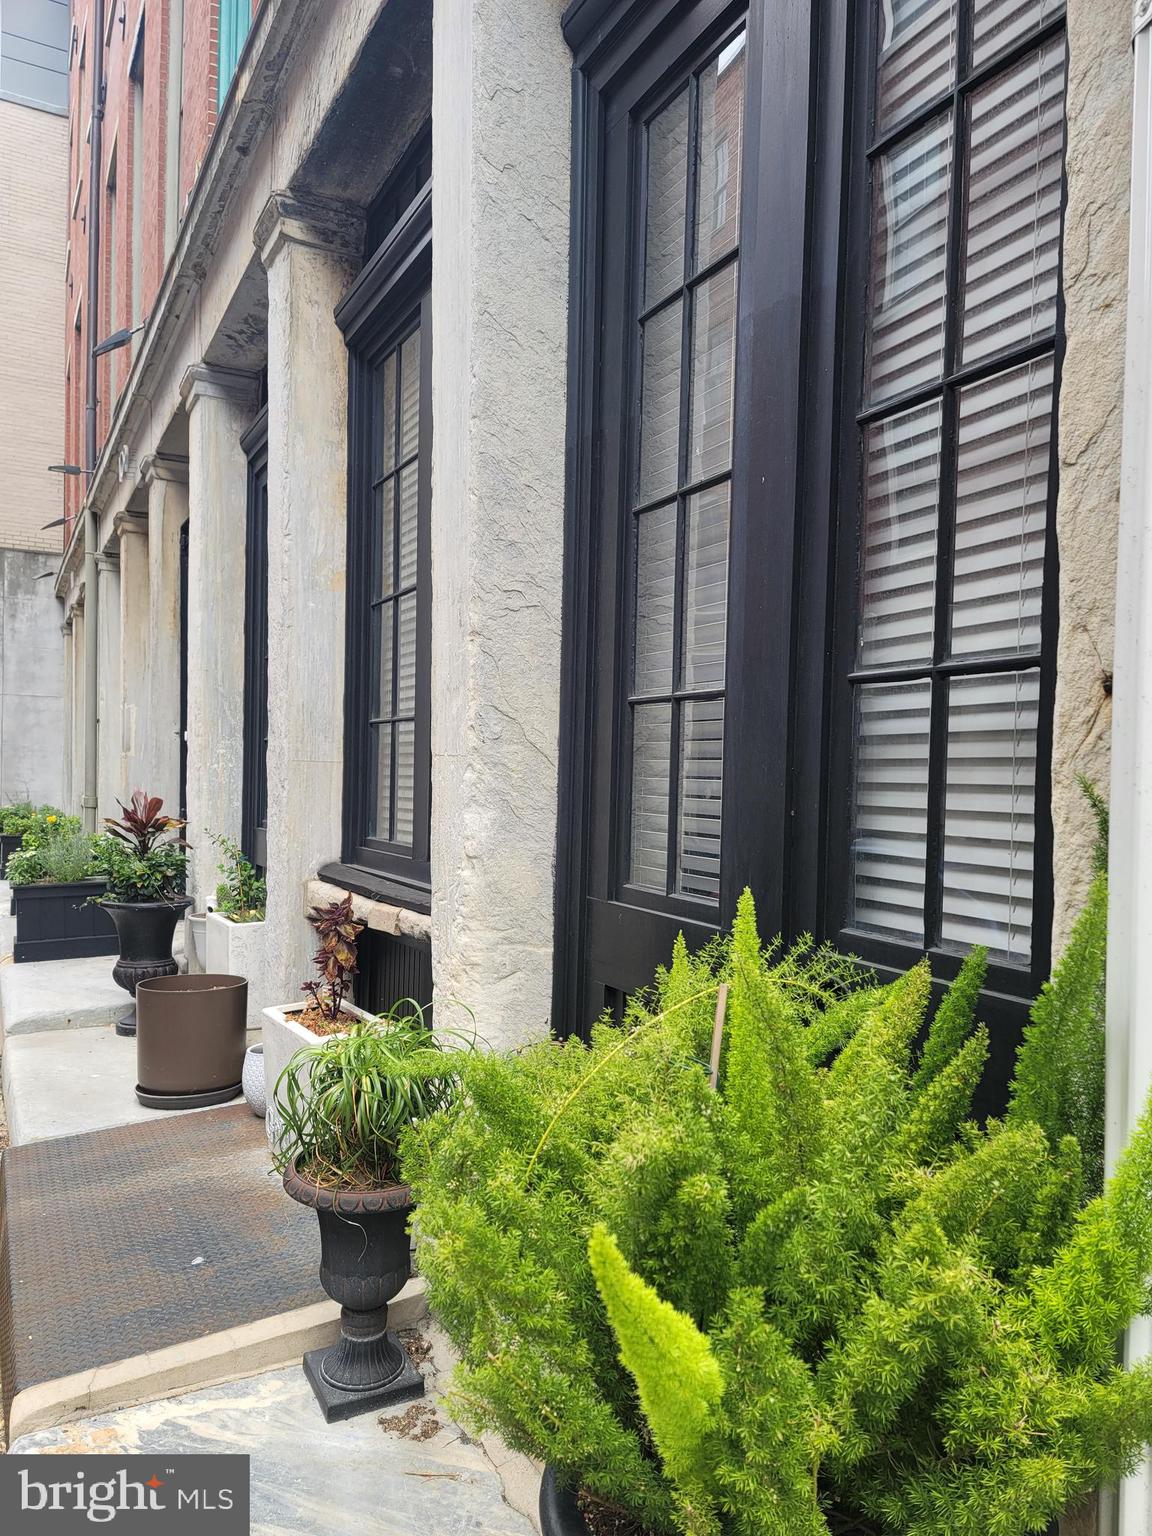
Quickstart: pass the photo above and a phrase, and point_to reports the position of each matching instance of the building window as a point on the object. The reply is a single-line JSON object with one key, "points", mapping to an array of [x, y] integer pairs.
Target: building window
{"points": [[956, 411], [235, 19], [254, 810], [136, 75], [112, 253], [35, 43], [387, 754]]}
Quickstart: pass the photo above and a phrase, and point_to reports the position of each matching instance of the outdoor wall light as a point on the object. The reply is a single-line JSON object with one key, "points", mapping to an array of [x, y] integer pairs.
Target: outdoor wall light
{"points": [[117, 339], [65, 469]]}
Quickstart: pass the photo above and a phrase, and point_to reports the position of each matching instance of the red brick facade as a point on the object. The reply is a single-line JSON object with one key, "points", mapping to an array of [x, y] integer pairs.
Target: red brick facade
{"points": [[122, 35]]}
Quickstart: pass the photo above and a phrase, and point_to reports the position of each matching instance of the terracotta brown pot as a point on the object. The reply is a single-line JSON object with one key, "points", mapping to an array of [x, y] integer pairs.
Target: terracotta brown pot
{"points": [[191, 1034]]}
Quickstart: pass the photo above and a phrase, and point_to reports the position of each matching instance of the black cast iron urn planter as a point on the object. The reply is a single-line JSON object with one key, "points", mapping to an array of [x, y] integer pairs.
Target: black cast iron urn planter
{"points": [[146, 930], [365, 1260], [559, 1512]]}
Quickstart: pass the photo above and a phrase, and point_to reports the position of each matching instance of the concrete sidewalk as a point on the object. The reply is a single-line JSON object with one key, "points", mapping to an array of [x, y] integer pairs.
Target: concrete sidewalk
{"points": [[408, 1470]]}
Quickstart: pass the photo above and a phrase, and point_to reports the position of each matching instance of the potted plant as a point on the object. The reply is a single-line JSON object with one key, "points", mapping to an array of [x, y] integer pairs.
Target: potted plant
{"points": [[743, 1264], [234, 929], [329, 1009], [52, 887], [342, 1104], [191, 1035], [13, 821], [146, 867]]}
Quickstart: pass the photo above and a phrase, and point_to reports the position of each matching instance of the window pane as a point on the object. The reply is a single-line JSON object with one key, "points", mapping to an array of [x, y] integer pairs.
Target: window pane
{"points": [[718, 166], [667, 199], [651, 758], [998, 23], [706, 589], [385, 499], [1001, 511], [898, 558], [655, 600], [408, 495], [410, 396], [386, 377], [660, 404], [382, 825], [917, 56], [699, 800], [909, 260], [383, 618], [405, 779], [713, 371], [406, 654], [989, 813], [1015, 174], [890, 808]]}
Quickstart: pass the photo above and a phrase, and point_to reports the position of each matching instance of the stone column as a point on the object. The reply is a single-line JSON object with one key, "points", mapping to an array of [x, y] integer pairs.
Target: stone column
{"points": [[500, 171], [109, 786], [134, 658], [69, 717], [220, 403], [78, 709], [311, 251], [166, 480]]}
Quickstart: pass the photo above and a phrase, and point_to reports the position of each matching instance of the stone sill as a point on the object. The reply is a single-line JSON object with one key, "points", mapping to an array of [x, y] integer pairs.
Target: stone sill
{"points": [[380, 916]]}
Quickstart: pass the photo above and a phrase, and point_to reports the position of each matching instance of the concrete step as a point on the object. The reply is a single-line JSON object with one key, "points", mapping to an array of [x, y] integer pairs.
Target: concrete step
{"points": [[60, 995]]}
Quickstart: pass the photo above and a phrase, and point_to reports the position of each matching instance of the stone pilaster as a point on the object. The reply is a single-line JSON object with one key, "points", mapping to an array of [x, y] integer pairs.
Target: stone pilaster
{"points": [[134, 659], [165, 478], [500, 175], [311, 251], [220, 404], [109, 787]]}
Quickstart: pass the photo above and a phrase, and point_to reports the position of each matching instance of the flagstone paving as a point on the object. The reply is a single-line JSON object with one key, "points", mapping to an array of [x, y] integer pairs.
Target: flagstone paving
{"points": [[405, 1471]]}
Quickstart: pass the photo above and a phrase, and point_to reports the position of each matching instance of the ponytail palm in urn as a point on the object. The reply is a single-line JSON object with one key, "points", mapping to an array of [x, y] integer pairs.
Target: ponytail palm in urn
{"points": [[342, 1105], [146, 865]]}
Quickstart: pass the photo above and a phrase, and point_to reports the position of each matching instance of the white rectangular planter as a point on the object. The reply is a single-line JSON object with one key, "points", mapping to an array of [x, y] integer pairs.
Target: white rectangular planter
{"points": [[283, 1037], [237, 949]]}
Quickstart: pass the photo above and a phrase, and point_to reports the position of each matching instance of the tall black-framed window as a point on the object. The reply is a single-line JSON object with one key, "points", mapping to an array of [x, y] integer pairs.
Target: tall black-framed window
{"points": [[939, 834], [387, 782], [891, 615], [254, 817]]}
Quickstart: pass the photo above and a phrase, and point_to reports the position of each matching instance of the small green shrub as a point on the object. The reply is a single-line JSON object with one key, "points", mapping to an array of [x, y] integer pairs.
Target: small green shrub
{"points": [[242, 894], [68, 857], [344, 1102], [25, 867], [816, 1299], [142, 854]]}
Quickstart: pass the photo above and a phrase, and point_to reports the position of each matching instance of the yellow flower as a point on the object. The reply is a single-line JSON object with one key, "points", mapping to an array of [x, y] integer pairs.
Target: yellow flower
{"points": [[51, 818]]}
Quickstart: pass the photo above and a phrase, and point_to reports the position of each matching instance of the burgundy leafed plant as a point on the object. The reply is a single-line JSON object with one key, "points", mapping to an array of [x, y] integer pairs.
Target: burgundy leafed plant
{"points": [[142, 825], [338, 931]]}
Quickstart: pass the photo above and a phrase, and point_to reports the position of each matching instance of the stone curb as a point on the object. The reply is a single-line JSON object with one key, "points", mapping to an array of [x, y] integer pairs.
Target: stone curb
{"points": [[267, 1345]]}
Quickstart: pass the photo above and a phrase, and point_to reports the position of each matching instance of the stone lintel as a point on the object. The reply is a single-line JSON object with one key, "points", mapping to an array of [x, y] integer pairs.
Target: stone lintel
{"points": [[319, 223], [203, 381], [107, 560], [380, 916], [164, 466]]}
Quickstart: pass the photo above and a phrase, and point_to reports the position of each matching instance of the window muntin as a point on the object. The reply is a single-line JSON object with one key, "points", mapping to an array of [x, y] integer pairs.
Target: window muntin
{"points": [[957, 473], [678, 555]]}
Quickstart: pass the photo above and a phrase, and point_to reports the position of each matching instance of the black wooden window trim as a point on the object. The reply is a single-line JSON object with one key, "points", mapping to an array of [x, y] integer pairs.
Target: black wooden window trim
{"points": [[254, 808], [791, 641], [389, 299], [1010, 987]]}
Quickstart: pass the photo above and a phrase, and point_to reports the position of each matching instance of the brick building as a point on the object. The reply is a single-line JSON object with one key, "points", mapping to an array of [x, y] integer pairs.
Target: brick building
{"points": [[33, 365]]}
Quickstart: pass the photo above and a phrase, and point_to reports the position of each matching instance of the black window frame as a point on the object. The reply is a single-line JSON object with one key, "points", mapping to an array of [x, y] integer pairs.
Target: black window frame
{"points": [[804, 252], [390, 298], [254, 798]]}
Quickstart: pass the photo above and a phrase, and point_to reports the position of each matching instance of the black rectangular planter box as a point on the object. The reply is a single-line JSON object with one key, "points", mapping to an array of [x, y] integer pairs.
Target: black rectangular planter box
{"points": [[9, 843], [56, 922]]}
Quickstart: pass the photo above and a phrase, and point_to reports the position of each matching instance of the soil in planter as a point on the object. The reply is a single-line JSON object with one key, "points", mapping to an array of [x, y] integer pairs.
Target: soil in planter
{"points": [[604, 1520], [315, 1022]]}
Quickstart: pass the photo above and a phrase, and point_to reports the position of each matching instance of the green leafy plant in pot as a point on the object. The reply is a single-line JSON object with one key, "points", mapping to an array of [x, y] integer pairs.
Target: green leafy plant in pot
{"points": [[145, 863], [783, 1285], [342, 1106]]}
